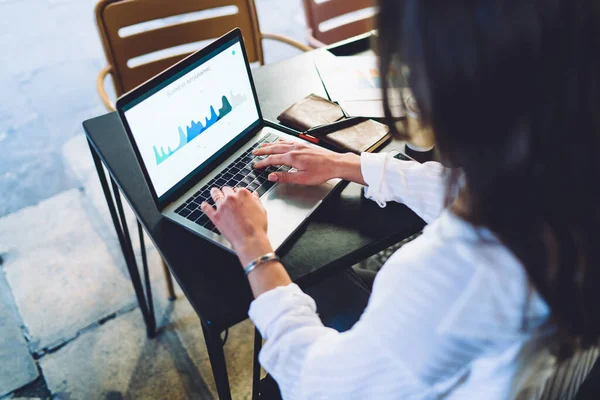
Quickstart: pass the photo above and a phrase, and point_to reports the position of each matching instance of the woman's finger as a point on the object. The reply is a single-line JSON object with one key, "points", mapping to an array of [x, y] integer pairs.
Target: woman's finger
{"points": [[275, 159], [279, 148], [217, 195], [208, 210], [227, 190], [288, 177], [280, 141]]}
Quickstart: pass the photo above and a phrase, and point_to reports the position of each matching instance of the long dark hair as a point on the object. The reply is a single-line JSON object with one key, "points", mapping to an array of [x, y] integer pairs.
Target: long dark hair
{"points": [[511, 89]]}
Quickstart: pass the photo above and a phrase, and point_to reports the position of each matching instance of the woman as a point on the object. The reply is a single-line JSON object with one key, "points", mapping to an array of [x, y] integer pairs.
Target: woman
{"points": [[504, 276]]}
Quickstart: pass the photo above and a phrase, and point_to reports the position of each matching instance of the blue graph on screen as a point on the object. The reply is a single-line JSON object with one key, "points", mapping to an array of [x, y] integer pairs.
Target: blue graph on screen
{"points": [[195, 128]]}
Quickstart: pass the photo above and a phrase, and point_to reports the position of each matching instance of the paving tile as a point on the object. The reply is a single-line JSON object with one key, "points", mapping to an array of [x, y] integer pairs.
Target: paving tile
{"points": [[78, 161], [24, 140], [48, 82], [238, 352], [54, 33], [17, 367], [28, 180], [61, 273], [25, 398], [15, 108], [116, 360], [31, 169], [179, 317], [64, 95]]}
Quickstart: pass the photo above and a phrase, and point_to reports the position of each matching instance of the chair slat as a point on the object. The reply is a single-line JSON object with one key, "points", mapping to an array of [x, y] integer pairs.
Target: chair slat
{"points": [[569, 375], [335, 8], [132, 77], [579, 374], [128, 12], [344, 31], [565, 376], [586, 365], [175, 35], [550, 387]]}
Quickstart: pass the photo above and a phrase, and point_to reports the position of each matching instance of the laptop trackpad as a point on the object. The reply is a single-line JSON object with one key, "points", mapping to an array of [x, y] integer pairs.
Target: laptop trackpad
{"points": [[288, 205]]}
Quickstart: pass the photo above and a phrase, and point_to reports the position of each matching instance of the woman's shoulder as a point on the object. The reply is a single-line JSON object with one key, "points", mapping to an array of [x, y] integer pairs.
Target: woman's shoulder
{"points": [[451, 246]]}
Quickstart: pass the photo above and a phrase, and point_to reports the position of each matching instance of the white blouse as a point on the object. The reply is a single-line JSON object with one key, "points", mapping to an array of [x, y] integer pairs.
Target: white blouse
{"points": [[450, 316]]}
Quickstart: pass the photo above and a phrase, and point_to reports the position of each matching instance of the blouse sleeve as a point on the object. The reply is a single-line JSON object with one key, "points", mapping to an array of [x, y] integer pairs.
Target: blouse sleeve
{"points": [[420, 186]]}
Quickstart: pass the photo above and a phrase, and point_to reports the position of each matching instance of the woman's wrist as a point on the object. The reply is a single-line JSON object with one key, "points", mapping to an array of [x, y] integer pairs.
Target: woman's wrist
{"points": [[347, 166], [253, 248], [266, 276]]}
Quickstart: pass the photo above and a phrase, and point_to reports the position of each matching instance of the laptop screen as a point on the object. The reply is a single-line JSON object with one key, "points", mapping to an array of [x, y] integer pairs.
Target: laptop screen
{"points": [[189, 119]]}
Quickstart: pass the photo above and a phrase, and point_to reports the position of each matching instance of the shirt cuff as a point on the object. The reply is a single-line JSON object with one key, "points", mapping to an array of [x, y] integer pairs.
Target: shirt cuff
{"points": [[372, 166], [269, 306]]}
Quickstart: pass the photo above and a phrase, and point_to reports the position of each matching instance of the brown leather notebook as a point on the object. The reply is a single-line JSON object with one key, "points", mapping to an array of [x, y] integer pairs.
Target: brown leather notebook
{"points": [[367, 136], [314, 110], [309, 112]]}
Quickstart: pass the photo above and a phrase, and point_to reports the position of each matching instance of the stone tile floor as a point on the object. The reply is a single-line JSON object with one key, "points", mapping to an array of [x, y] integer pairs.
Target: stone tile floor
{"points": [[69, 324]]}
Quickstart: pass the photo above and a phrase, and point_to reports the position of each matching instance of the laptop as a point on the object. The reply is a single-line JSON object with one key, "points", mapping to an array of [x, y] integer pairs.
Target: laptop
{"points": [[194, 126]]}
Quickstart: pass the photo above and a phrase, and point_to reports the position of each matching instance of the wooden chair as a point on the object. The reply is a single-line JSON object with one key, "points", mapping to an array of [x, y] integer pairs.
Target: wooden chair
{"points": [[569, 380], [112, 16], [318, 13]]}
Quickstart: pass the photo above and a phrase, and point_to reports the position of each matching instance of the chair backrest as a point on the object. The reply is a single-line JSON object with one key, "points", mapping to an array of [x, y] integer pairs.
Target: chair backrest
{"points": [[566, 382], [193, 21], [325, 11], [590, 389]]}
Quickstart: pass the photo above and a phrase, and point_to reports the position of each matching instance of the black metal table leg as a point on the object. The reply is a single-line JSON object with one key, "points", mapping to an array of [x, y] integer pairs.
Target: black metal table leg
{"points": [[256, 365], [217, 361], [120, 224], [147, 278], [169, 279]]}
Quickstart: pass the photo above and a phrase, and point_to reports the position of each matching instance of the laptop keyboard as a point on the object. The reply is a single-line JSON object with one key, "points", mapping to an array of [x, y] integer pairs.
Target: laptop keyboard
{"points": [[240, 173]]}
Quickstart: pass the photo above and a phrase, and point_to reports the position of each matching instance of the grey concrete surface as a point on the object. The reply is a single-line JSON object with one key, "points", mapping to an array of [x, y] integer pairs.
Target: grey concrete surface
{"points": [[125, 364], [60, 271], [79, 163], [62, 263], [17, 367], [51, 53]]}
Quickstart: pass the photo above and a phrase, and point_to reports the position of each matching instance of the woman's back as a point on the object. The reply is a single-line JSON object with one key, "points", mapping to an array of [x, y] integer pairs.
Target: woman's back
{"points": [[474, 320]]}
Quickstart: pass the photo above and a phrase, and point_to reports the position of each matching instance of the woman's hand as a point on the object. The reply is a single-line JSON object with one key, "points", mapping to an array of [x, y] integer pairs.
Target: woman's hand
{"points": [[314, 165], [242, 219]]}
